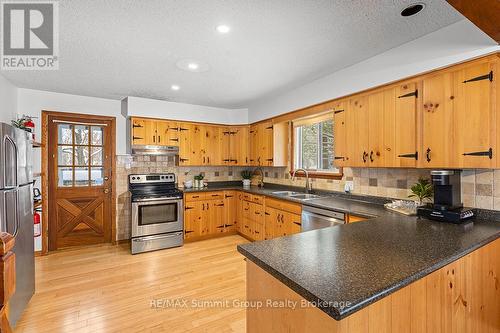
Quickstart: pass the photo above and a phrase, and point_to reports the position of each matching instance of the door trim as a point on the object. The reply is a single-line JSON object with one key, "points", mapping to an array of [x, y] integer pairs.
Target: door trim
{"points": [[47, 115]]}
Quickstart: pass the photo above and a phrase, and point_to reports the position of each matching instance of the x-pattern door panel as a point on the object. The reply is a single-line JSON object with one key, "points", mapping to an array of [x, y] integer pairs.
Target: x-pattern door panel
{"points": [[80, 181]]}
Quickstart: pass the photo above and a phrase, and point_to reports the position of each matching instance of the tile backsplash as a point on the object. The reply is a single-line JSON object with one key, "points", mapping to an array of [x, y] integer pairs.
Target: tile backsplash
{"points": [[480, 188]]}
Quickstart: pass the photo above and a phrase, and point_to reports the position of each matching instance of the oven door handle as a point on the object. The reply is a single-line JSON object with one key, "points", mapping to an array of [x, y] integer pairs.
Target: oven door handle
{"points": [[155, 202], [150, 238]]}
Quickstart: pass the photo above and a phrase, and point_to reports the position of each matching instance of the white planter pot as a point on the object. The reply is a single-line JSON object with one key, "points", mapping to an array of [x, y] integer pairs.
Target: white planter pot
{"points": [[246, 182]]}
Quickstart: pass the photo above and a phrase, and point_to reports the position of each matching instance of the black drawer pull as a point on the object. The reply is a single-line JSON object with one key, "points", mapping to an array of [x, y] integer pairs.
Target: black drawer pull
{"points": [[415, 156], [176, 140], [428, 154], [488, 153]]}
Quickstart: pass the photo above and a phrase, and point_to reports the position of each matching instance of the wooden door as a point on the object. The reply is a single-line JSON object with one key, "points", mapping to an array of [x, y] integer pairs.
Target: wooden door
{"points": [[216, 216], [151, 132], [266, 155], [405, 126], [254, 144], [474, 118], [197, 137], [357, 132], [231, 204], [437, 122], [375, 110], [270, 224], [168, 133], [138, 131], [81, 156], [339, 138], [240, 145], [185, 134], [193, 215], [225, 136], [216, 148]]}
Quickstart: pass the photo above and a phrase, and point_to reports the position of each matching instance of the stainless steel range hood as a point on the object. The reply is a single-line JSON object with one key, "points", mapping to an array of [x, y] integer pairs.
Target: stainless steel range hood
{"points": [[155, 150]]}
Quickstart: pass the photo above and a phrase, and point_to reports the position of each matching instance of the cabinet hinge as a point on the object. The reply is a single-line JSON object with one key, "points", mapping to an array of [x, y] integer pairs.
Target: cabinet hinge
{"points": [[188, 208], [136, 138], [226, 133], [136, 126], [270, 127], [176, 140], [339, 158], [188, 231], [415, 155], [269, 159], [229, 196], [183, 159], [488, 76], [183, 129], [488, 153], [338, 111], [413, 93], [219, 205]]}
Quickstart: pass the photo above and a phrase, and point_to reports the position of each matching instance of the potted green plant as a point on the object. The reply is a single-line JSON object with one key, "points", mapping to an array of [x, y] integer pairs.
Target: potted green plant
{"points": [[422, 190], [247, 176], [198, 180]]}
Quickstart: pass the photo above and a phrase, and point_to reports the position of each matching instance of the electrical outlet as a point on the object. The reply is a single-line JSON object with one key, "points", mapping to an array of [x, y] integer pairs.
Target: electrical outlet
{"points": [[349, 186]]}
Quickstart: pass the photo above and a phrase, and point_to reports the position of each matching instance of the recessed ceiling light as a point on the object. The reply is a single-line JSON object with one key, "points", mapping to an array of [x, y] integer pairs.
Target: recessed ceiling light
{"points": [[192, 65], [413, 9], [175, 87], [223, 29]]}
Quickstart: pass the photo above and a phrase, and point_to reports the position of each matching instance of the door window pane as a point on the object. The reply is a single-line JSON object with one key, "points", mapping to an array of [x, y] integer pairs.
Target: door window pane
{"points": [[97, 176], [82, 176], [65, 177], [96, 156], [64, 134], [65, 155], [81, 135], [81, 155], [97, 136]]}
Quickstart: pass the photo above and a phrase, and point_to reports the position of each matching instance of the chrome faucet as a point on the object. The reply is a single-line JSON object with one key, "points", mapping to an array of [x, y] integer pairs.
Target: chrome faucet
{"points": [[261, 183], [308, 183]]}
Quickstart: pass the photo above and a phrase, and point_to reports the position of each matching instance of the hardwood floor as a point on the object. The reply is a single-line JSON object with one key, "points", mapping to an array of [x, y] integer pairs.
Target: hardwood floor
{"points": [[106, 289]]}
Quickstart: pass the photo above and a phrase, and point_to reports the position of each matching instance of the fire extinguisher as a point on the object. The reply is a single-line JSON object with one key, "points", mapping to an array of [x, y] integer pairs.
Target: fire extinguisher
{"points": [[37, 227]]}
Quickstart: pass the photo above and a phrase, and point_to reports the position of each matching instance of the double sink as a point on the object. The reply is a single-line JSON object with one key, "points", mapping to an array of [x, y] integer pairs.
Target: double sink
{"points": [[296, 195]]}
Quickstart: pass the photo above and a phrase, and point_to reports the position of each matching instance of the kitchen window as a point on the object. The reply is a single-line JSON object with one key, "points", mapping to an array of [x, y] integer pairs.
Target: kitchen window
{"points": [[313, 147]]}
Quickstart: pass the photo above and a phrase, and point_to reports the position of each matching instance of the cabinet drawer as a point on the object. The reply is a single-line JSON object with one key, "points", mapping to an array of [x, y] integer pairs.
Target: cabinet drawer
{"points": [[258, 199], [247, 196], [214, 195], [284, 205], [194, 196]]}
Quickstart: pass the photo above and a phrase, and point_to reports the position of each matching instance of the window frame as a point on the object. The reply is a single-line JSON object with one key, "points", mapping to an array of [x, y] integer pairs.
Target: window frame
{"points": [[312, 174]]}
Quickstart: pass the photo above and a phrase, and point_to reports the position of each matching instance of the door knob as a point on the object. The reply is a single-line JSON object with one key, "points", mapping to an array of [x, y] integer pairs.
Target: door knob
{"points": [[106, 178]]}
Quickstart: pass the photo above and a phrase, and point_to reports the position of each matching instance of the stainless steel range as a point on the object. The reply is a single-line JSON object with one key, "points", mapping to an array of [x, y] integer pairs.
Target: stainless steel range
{"points": [[157, 212]]}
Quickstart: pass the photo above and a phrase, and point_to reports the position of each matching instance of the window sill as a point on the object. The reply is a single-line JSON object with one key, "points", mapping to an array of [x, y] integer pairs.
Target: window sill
{"points": [[319, 174]]}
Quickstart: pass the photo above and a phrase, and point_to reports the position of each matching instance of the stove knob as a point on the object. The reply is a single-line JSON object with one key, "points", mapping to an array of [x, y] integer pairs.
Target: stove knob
{"points": [[133, 178]]}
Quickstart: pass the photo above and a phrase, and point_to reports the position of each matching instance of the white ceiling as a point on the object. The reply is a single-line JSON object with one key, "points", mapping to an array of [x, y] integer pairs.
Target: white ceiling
{"points": [[117, 48]]}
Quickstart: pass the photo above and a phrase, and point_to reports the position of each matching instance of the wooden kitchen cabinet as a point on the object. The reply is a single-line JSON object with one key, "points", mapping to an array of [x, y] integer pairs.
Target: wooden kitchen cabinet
{"points": [[474, 116], [216, 216], [375, 118], [357, 132], [231, 203], [401, 137], [437, 121], [236, 145], [269, 144], [185, 135], [167, 133], [193, 219], [340, 134]]}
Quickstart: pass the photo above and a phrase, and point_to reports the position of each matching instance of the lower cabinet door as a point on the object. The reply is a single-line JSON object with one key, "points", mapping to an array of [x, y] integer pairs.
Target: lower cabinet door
{"points": [[258, 231], [216, 216], [292, 223], [193, 216]]}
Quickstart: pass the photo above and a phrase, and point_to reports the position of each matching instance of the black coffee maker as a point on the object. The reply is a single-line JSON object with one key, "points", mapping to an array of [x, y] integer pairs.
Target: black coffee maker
{"points": [[447, 205]]}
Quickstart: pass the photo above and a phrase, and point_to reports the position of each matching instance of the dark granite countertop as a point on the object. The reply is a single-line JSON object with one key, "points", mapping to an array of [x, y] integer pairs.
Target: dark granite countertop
{"points": [[360, 263]]}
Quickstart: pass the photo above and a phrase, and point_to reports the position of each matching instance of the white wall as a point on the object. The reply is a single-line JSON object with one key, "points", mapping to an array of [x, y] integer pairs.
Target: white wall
{"points": [[144, 107], [8, 100], [455, 43]]}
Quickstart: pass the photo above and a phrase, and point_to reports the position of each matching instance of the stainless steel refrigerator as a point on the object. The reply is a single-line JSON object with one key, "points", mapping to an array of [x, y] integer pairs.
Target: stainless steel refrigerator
{"points": [[16, 211]]}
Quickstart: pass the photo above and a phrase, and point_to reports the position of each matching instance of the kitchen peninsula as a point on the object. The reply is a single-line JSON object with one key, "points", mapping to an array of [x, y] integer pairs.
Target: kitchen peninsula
{"points": [[388, 274]]}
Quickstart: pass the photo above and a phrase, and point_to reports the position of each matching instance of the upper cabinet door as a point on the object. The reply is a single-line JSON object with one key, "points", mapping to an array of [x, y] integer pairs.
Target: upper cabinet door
{"points": [[376, 129], [239, 145], [266, 154], [357, 132], [185, 134], [168, 133], [339, 134], [474, 118], [405, 126], [138, 131], [254, 144], [437, 122]]}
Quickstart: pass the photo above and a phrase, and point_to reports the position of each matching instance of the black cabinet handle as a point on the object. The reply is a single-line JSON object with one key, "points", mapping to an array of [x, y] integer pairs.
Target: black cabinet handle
{"points": [[365, 155], [428, 154], [176, 140], [371, 156], [415, 156], [488, 153]]}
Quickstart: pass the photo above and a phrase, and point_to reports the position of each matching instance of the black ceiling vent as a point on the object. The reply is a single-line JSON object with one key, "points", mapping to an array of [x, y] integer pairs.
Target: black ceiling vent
{"points": [[412, 9]]}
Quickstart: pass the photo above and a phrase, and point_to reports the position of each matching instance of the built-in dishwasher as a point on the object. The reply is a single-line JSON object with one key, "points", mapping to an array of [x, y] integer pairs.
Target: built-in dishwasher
{"points": [[317, 218]]}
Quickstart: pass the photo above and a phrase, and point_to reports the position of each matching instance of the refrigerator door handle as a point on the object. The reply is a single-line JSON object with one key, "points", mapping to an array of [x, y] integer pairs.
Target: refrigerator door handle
{"points": [[16, 221], [13, 143]]}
